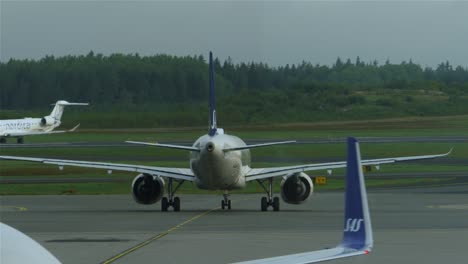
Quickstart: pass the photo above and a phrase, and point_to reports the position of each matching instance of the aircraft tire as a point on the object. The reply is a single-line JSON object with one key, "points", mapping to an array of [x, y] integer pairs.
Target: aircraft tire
{"points": [[264, 204], [2, 140], [176, 204], [164, 204], [229, 204], [276, 204]]}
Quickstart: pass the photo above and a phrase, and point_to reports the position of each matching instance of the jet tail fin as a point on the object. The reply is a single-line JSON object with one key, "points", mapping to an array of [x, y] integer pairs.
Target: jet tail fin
{"points": [[357, 232], [57, 112], [213, 125]]}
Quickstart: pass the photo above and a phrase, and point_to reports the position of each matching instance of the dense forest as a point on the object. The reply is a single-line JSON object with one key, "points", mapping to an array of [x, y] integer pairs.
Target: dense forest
{"points": [[172, 91]]}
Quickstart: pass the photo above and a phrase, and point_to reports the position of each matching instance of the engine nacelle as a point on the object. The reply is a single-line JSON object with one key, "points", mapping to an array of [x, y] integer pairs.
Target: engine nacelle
{"points": [[147, 189], [296, 188], [48, 121]]}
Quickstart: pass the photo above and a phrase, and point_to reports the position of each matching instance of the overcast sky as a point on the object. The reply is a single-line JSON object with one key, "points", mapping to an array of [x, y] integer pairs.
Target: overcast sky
{"points": [[276, 32]]}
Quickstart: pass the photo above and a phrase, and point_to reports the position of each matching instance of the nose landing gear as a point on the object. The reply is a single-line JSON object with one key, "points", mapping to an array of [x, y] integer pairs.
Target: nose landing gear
{"points": [[226, 203]]}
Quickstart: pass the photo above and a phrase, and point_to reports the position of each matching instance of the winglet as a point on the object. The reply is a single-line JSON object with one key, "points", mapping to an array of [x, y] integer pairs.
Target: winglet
{"points": [[74, 128], [213, 126], [357, 232]]}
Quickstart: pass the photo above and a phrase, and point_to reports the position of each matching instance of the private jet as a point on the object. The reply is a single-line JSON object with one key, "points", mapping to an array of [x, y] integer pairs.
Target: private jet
{"points": [[28, 126]]}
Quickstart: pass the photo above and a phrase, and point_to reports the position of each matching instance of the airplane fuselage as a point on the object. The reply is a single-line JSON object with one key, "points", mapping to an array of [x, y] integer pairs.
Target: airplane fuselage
{"points": [[10, 127], [215, 169]]}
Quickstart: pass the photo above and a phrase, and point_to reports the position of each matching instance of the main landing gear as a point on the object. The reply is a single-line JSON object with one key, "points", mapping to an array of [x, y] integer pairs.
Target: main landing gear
{"points": [[171, 200], [226, 203], [20, 140], [2, 140], [269, 201]]}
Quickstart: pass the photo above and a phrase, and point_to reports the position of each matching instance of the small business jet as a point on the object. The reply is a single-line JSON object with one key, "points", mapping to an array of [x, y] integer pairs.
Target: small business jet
{"points": [[218, 161], [19, 128], [357, 233]]}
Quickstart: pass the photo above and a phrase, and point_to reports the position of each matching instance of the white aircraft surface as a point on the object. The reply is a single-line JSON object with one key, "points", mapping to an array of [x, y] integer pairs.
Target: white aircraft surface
{"points": [[218, 161], [16, 247], [357, 231], [35, 126]]}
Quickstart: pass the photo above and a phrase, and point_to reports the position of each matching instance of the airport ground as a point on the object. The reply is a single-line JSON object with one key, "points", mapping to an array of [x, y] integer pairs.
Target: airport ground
{"points": [[411, 225]]}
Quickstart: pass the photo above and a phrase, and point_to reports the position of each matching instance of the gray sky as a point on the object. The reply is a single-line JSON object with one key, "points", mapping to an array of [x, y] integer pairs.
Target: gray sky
{"points": [[276, 32]]}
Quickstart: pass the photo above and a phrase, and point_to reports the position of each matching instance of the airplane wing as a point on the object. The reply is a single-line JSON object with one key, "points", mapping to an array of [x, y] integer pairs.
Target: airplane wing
{"points": [[357, 232], [263, 173], [25, 133], [175, 173]]}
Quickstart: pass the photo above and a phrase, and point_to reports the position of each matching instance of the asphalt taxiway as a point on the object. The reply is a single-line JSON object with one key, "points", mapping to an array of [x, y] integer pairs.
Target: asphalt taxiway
{"points": [[109, 144], [411, 225]]}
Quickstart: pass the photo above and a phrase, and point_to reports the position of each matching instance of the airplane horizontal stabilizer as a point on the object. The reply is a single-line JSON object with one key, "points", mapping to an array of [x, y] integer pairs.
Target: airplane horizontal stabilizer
{"points": [[67, 103], [357, 233], [164, 145], [259, 145]]}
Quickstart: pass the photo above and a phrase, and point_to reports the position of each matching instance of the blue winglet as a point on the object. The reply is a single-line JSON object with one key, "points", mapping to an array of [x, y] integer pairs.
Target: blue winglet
{"points": [[213, 128], [357, 232]]}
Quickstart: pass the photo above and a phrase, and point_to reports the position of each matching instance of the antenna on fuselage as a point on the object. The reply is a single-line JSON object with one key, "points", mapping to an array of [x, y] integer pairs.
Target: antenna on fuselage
{"points": [[213, 127]]}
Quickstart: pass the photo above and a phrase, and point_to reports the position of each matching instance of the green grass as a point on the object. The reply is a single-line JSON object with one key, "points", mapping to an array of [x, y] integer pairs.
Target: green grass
{"points": [[394, 127], [123, 187], [282, 155]]}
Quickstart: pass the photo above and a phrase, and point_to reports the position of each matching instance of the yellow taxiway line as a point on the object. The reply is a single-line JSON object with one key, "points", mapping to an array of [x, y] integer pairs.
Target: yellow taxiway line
{"points": [[156, 237]]}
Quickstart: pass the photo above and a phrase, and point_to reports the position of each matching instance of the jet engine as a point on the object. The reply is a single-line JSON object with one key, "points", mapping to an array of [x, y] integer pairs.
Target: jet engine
{"points": [[296, 188], [147, 189], [47, 121]]}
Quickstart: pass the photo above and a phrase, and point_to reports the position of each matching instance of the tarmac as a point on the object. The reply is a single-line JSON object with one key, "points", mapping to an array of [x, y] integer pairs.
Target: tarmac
{"points": [[411, 225], [317, 140]]}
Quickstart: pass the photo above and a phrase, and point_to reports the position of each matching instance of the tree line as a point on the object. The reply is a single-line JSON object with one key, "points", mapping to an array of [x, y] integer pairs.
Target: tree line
{"points": [[247, 92]]}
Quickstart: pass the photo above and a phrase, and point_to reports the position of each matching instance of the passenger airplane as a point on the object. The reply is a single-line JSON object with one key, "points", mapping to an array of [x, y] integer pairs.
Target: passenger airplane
{"points": [[218, 161], [357, 232], [35, 126]]}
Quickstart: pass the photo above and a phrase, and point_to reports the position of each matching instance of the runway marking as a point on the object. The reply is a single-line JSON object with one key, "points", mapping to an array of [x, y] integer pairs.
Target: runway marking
{"points": [[450, 206], [18, 208], [156, 237]]}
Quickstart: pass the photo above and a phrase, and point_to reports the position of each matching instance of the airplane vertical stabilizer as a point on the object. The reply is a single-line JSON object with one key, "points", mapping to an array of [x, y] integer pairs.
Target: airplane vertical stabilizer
{"points": [[213, 127], [357, 223], [57, 112]]}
